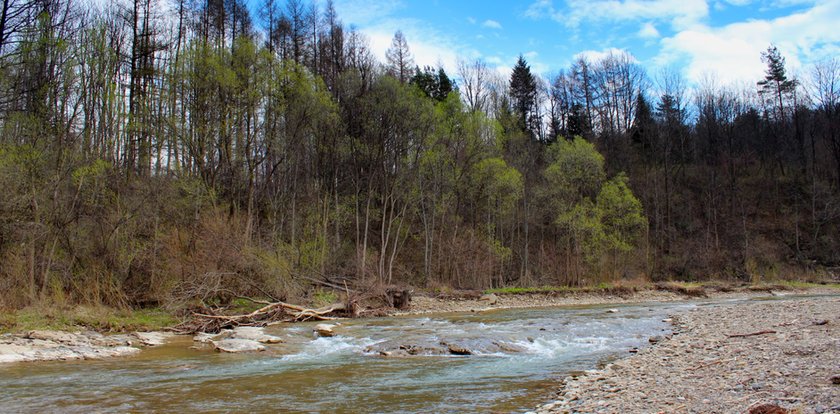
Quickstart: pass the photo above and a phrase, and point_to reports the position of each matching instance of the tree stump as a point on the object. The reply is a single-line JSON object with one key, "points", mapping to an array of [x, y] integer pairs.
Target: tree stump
{"points": [[398, 298]]}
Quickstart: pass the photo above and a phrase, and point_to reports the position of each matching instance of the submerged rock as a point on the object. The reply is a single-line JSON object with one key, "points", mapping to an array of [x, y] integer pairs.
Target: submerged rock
{"points": [[254, 333], [152, 338], [204, 338]]}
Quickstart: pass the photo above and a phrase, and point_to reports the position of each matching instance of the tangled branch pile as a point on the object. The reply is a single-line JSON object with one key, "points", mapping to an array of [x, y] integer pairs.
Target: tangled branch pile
{"points": [[212, 320]]}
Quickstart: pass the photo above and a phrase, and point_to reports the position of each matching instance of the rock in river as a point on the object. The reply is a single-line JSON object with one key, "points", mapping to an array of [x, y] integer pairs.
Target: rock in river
{"points": [[254, 333], [238, 345], [458, 350], [324, 329], [152, 338]]}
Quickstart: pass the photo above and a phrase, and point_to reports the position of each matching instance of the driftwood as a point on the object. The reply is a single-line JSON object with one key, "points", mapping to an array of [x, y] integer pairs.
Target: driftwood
{"points": [[752, 334], [271, 313]]}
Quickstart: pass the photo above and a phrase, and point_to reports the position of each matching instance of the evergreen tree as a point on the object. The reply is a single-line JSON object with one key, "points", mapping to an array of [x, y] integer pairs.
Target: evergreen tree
{"points": [[576, 125], [435, 85], [643, 124], [444, 85], [523, 93], [775, 84]]}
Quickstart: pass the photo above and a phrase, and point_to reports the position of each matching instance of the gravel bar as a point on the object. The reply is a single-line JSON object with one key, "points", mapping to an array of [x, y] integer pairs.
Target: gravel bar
{"points": [[772, 356]]}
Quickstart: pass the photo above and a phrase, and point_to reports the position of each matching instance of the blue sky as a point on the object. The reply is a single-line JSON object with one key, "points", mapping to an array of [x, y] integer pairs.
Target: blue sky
{"points": [[702, 38]]}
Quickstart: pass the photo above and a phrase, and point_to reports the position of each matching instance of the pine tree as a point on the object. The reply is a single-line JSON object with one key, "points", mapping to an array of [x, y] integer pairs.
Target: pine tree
{"points": [[775, 84]]}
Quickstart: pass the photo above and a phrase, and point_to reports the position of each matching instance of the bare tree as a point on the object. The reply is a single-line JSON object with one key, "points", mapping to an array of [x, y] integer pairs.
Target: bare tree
{"points": [[400, 61], [474, 78]]}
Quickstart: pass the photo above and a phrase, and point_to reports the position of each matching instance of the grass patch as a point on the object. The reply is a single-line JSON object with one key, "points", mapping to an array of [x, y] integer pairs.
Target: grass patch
{"points": [[323, 297], [84, 317]]}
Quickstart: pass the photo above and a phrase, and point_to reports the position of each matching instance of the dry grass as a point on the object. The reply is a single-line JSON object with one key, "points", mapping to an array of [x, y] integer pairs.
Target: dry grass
{"points": [[99, 318]]}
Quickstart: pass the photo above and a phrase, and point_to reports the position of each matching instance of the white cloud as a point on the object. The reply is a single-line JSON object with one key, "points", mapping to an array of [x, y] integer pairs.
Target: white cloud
{"points": [[732, 52], [648, 31], [471, 20], [596, 55], [491, 24], [540, 9], [427, 45], [680, 13]]}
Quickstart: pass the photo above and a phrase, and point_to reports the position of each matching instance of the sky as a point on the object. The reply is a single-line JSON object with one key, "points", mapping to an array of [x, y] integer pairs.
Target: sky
{"points": [[703, 39]]}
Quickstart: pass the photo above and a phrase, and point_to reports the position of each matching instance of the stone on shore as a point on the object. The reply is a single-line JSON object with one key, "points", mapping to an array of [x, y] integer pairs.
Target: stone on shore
{"points": [[491, 299], [44, 345], [722, 362]]}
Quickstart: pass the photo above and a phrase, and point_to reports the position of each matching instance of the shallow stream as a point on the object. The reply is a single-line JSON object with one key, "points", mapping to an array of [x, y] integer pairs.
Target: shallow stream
{"points": [[518, 356]]}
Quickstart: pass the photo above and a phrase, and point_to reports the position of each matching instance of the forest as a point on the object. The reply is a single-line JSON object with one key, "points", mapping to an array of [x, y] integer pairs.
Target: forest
{"points": [[170, 151]]}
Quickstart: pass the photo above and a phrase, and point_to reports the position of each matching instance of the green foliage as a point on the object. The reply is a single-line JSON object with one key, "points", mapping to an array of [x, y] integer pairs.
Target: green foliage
{"points": [[575, 172], [434, 84], [500, 185], [323, 297], [620, 214], [598, 216]]}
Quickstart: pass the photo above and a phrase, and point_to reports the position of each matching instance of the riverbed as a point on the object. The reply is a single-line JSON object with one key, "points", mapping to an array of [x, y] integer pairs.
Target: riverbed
{"points": [[517, 357]]}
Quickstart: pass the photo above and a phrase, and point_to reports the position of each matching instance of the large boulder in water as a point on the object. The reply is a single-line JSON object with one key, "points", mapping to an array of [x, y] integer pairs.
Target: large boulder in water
{"points": [[324, 329], [238, 345]]}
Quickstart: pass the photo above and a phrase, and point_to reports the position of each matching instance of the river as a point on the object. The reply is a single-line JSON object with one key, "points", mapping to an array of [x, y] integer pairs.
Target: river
{"points": [[345, 374]]}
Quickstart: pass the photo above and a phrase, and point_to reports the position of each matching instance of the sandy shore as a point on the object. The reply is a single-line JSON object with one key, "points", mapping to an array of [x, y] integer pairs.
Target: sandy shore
{"points": [[724, 358]]}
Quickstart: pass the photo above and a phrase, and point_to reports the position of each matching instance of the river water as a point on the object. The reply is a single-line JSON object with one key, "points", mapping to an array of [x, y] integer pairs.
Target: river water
{"points": [[345, 373]]}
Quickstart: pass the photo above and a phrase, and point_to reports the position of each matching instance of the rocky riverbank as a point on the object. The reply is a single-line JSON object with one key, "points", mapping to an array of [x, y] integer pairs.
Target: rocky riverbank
{"points": [[423, 304], [757, 357], [57, 345]]}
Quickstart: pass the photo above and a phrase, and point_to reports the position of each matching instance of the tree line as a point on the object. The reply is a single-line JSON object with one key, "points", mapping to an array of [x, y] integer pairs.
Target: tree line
{"points": [[166, 151]]}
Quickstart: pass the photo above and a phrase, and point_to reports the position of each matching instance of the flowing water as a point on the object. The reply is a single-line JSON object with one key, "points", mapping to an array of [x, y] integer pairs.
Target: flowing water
{"points": [[518, 357]]}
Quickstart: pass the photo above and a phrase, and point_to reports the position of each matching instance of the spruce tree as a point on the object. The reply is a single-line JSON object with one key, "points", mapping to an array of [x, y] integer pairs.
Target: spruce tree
{"points": [[523, 93]]}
